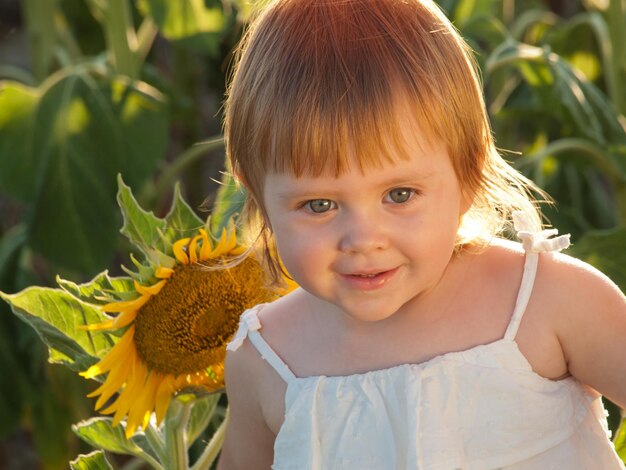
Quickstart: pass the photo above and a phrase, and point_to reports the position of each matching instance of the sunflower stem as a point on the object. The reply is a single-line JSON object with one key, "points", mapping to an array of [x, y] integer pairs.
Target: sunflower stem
{"points": [[155, 439], [140, 461], [213, 447], [176, 435]]}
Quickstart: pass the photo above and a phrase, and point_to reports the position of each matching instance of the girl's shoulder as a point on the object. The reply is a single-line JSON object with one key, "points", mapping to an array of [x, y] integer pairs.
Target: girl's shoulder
{"points": [[558, 270], [566, 290], [582, 310]]}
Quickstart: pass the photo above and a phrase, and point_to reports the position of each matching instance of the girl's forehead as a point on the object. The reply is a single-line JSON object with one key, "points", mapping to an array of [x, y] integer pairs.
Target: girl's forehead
{"points": [[415, 164], [331, 154]]}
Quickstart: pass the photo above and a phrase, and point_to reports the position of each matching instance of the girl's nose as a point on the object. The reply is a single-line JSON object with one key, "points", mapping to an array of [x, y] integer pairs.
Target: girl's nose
{"points": [[362, 233]]}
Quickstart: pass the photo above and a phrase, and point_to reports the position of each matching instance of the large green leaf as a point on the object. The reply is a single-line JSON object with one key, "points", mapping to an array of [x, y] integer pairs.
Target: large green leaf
{"points": [[100, 290], [141, 227], [605, 250], [87, 131], [18, 161], [57, 317], [192, 23], [99, 432], [181, 220], [228, 204], [94, 461]]}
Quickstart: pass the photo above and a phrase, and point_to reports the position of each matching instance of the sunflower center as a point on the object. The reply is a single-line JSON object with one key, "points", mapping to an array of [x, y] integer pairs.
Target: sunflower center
{"points": [[186, 326]]}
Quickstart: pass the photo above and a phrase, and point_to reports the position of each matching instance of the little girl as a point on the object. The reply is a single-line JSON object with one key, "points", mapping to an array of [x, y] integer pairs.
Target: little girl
{"points": [[418, 339]]}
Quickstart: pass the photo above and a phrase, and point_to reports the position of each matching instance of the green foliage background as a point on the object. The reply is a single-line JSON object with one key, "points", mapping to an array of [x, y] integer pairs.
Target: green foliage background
{"points": [[93, 88]]}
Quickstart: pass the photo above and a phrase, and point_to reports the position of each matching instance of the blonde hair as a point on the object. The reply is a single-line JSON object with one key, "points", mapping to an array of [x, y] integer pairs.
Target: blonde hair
{"points": [[316, 82]]}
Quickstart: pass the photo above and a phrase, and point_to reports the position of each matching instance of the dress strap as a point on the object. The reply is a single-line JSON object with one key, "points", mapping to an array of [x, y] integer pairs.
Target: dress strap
{"points": [[249, 326], [534, 242]]}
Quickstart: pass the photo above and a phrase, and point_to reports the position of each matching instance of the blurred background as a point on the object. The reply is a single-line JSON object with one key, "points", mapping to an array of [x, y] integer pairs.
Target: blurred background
{"points": [[93, 88]]}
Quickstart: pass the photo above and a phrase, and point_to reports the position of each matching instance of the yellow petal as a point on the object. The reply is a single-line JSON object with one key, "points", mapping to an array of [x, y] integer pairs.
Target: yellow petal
{"points": [[150, 290], [205, 250], [179, 251], [113, 383], [124, 319], [143, 404], [126, 305], [118, 353], [136, 379], [107, 325], [164, 395], [163, 272], [238, 250], [193, 249], [221, 245]]}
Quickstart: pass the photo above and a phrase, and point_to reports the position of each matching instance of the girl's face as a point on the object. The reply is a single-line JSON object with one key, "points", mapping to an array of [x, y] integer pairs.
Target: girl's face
{"points": [[369, 242]]}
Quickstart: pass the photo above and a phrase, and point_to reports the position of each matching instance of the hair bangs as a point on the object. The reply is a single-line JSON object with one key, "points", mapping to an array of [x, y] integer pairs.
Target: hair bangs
{"points": [[318, 103]]}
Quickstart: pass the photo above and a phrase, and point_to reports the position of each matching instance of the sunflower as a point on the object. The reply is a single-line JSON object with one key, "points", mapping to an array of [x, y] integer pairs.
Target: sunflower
{"points": [[175, 329]]}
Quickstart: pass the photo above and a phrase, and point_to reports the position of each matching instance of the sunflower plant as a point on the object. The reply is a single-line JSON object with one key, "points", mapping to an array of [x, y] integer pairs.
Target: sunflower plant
{"points": [[155, 339]]}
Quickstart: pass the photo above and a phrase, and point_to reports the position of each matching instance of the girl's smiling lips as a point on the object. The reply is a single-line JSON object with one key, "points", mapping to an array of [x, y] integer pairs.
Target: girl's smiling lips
{"points": [[367, 281]]}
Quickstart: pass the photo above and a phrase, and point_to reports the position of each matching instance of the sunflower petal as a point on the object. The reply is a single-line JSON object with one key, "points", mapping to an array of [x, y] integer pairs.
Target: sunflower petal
{"points": [[150, 290], [164, 273], [117, 354], [179, 252], [136, 379], [164, 395], [107, 325], [113, 384], [126, 305], [206, 249], [124, 319], [143, 404], [193, 249], [220, 248]]}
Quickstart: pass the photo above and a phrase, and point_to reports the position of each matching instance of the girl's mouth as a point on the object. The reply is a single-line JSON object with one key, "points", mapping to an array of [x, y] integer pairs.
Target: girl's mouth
{"points": [[369, 281]]}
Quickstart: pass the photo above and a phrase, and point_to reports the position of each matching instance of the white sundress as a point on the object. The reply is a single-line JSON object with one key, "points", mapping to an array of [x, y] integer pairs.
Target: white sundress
{"points": [[482, 408]]}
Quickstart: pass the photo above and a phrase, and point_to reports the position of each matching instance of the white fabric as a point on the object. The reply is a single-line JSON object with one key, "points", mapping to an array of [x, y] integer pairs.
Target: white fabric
{"points": [[482, 408]]}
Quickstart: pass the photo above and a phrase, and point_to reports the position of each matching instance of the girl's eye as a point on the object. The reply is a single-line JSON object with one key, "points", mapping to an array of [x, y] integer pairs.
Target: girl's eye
{"points": [[400, 195], [319, 206]]}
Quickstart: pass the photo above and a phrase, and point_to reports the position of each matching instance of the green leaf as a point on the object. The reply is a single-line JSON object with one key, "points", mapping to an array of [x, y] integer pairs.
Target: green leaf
{"points": [[99, 432], [228, 204], [181, 220], [94, 461], [141, 227], [19, 164], [100, 290], [606, 251], [620, 441], [201, 415], [57, 316], [191, 23], [87, 131]]}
